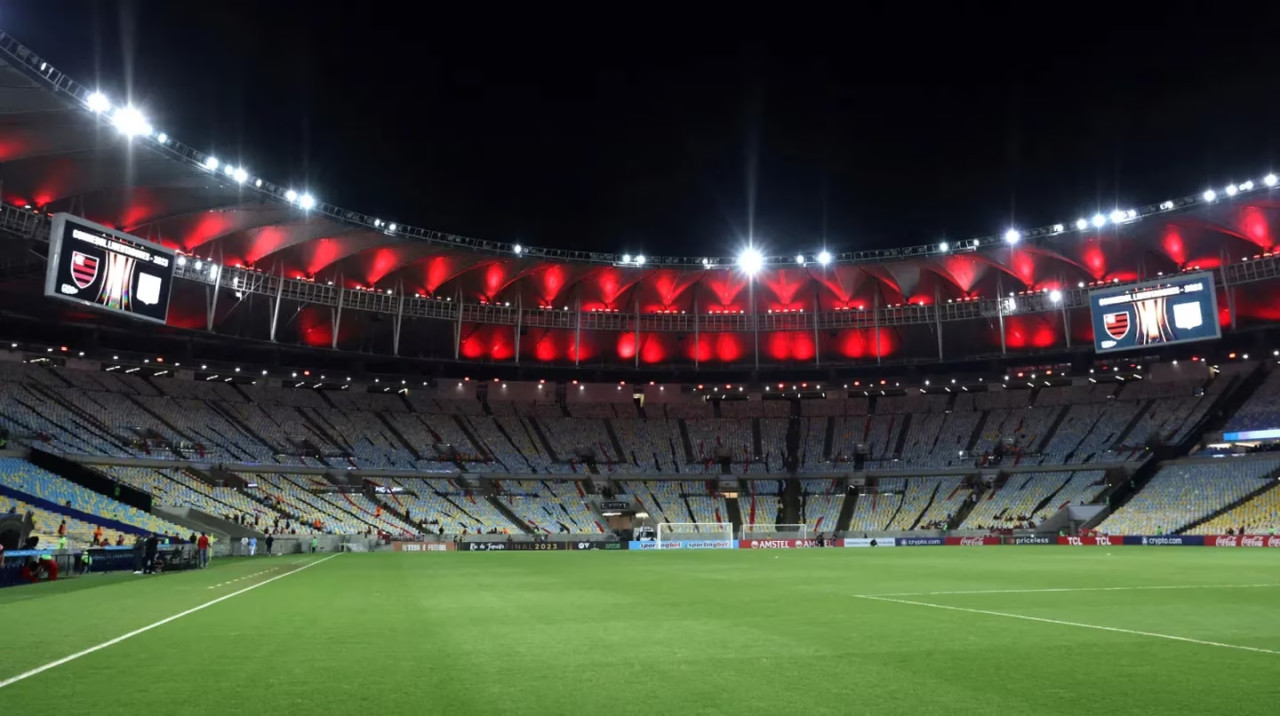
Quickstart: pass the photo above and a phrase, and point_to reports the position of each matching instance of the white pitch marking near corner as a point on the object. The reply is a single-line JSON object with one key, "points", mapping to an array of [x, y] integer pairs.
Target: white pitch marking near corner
{"points": [[27, 674], [1052, 590], [1097, 627]]}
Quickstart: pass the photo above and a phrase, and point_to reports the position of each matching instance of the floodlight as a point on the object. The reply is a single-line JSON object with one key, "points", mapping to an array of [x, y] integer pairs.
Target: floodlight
{"points": [[391, 226], [824, 257], [1058, 228], [1081, 224], [291, 196], [240, 175], [1209, 195], [1232, 189], [98, 102], [1247, 186], [211, 163], [944, 247], [257, 183], [1055, 296], [800, 259], [306, 201], [162, 138], [1269, 180], [182, 260], [130, 122], [626, 258], [640, 260], [1117, 216], [1012, 236], [750, 260], [517, 249]]}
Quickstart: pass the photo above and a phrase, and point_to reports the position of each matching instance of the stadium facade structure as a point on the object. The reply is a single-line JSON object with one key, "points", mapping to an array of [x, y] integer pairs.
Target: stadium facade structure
{"points": [[266, 263]]}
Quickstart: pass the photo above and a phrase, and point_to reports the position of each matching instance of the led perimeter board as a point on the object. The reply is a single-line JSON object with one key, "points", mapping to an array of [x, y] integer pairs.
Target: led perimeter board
{"points": [[93, 265], [1176, 309]]}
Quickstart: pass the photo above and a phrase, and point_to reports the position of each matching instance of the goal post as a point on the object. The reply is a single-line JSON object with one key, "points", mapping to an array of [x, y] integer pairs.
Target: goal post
{"points": [[694, 531], [774, 532]]}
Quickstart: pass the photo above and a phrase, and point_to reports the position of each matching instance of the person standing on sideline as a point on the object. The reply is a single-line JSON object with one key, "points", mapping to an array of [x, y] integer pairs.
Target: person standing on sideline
{"points": [[314, 543], [270, 541], [202, 550], [244, 546], [152, 549], [253, 546], [139, 554]]}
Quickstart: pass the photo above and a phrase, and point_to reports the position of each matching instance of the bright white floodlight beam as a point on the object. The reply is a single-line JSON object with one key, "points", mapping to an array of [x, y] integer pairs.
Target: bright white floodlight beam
{"points": [[98, 102], [1117, 216], [211, 163], [1055, 296], [640, 260], [131, 122], [1099, 221], [944, 247], [240, 175], [750, 261], [1058, 228], [1269, 180], [517, 249], [291, 196], [1082, 224], [800, 259], [1232, 189], [1209, 195], [824, 257], [1012, 236], [626, 258], [307, 202]]}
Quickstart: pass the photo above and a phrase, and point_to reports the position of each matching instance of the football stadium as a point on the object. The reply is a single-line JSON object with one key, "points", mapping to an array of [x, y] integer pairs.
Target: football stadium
{"points": [[260, 453]]}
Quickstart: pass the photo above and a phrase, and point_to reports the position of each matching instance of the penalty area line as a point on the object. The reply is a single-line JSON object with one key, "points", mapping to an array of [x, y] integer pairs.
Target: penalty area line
{"points": [[53, 664], [1045, 620], [1052, 590]]}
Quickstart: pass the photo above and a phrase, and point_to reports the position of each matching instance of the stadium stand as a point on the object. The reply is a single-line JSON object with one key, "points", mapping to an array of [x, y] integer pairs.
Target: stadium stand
{"points": [[1181, 493]]}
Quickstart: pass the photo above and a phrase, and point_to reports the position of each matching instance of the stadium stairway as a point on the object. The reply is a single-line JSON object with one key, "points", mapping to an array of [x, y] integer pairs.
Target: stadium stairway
{"points": [[846, 511], [789, 505], [613, 439], [1122, 490], [541, 436], [735, 513], [688, 444], [1229, 404], [1053, 429], [1268, 483], [962, 514], [399, 436], [86, 421], [757, 445], [511, 516], [977, 433], [932, 496], [900, 444]]}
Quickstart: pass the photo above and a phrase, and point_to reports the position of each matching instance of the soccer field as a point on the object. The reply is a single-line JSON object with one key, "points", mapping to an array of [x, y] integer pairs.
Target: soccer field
{"points": [[1017, 630]]}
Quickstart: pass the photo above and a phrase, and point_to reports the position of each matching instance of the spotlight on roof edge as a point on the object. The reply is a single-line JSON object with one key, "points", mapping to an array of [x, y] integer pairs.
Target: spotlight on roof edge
{"points": [[131, 122], [750, 260], [291, 196], [1269, 180], [1099, 221], [640, 260], [1055, 295], [240, 175], [1209, 195], [517, 249], [1081, 224], [306, 201], [824, 257], [800, 259], [1232, 189], [1012, 236], [626, 258], [1059, 228], [211, 163], [98, 102], [944, 247]]}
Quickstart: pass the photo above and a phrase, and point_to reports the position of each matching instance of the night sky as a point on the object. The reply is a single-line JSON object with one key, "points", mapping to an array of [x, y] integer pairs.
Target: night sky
{"points": [[665, 130]]}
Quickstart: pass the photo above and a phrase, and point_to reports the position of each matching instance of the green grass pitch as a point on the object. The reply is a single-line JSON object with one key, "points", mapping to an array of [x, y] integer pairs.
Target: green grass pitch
{"points": [[741, 632]]}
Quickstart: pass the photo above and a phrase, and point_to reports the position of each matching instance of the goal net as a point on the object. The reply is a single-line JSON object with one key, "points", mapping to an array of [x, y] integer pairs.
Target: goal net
{"points": [[775, 532], [694, 532]]}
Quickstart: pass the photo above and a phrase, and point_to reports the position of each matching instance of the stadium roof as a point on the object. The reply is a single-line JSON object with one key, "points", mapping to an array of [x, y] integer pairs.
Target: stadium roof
{"points": [[65, 147]]}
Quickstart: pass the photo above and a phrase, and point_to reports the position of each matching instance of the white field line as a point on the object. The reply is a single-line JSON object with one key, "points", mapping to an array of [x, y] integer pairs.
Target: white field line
{"points": [[27, 674], [1068, 589], [1097, 627], [238, 579]]}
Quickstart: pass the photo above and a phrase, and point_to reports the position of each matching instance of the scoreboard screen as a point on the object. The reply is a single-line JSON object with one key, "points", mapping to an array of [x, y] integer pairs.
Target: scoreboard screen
{"points": [[1177, 309], [93, 265]]}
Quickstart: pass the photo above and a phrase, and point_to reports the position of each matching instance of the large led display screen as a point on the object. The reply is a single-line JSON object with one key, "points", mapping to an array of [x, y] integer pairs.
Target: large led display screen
{"points": [[1177, 309], [93, 265]]}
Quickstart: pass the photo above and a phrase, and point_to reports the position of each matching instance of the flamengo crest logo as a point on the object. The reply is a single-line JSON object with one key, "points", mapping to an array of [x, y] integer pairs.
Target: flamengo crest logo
{"points": [[1117, 324], [84, 269]]}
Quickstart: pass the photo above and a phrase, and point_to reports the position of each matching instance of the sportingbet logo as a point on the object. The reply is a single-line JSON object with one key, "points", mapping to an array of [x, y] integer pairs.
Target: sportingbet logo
{"points": [[971, 542]]}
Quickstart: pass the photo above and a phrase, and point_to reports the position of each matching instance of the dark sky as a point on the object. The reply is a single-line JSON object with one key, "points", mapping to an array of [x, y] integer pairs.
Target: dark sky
{"points": [[643, 128]]}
